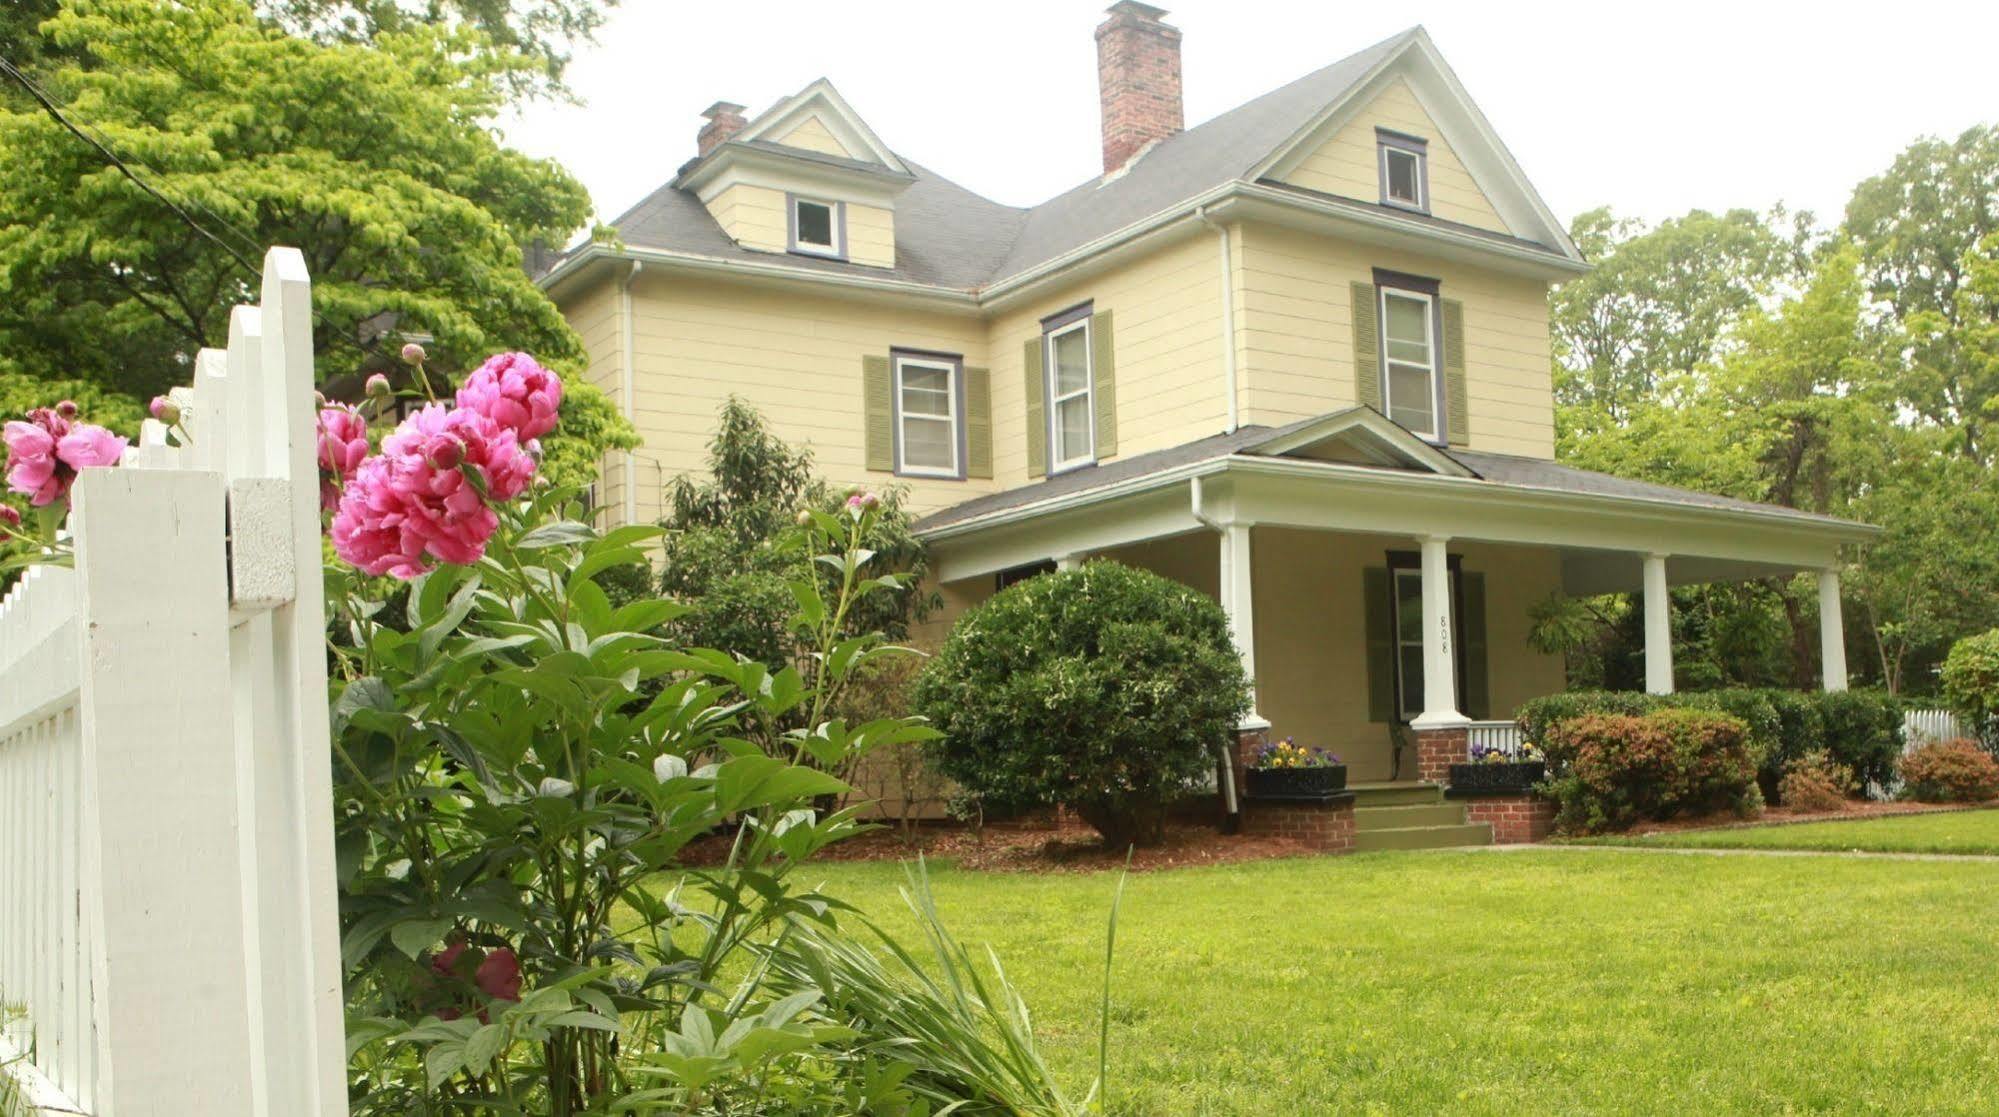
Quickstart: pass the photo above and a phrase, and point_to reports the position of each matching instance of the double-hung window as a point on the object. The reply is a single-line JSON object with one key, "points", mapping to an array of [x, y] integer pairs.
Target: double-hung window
{"points": [[929, 415], [1071, 406], [818, 227], [1409, 359], [1405, 171]]}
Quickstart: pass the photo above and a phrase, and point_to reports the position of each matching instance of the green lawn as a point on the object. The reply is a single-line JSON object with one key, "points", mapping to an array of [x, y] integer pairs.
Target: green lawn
{"points": [[1556, 982], [1951, 832]]}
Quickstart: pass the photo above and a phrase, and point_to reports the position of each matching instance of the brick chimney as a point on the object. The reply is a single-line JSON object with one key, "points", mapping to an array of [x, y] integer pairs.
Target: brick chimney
{"points": [[1138, 79], [724, 120]]}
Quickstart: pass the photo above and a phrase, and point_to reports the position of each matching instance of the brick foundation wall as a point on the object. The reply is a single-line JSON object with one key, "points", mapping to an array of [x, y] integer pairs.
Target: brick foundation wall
{"points": [[1514, 818], [1326, 827], [1438, 749]]}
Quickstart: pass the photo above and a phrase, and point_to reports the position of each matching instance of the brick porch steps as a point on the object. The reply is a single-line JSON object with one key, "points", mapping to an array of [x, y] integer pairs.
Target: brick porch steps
{"points": [[1411, 816]]}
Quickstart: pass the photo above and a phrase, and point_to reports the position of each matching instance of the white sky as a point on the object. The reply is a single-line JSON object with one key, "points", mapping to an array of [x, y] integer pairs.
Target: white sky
{"points": [[1654, 109]]}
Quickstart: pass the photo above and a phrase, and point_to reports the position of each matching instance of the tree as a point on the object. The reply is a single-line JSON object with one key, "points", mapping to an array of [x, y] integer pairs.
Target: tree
{"points": [[726, 556], [1920, 225], [374, 160], [1662, 301], [544, 31]]}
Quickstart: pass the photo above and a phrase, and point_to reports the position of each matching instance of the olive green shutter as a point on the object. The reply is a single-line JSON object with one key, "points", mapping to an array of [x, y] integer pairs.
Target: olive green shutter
{"points": [[1379, 603], [978, 422], [1037, 422], [1103, 382], [878, 410], [1478, 686], [1367, 347], [1454, 372]]}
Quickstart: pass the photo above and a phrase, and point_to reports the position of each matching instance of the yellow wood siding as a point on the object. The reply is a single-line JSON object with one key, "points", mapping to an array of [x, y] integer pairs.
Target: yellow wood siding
{"points": [[813, 135], [1296, 336], [1347, 165], [595, 319], [754, 216], [870, 235], [1169, 352], [795, 357]]}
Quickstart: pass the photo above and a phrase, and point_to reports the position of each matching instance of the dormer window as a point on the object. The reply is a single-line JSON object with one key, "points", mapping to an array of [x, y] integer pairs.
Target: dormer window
{"points": [[1405, 172], [818, 227]]}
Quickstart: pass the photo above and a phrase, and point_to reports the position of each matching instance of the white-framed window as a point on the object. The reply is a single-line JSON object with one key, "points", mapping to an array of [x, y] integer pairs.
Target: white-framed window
{"points": [[1408, 618], [1409, 359], [928, 435], [1072, 428], [1405, 173], [818, 227]]}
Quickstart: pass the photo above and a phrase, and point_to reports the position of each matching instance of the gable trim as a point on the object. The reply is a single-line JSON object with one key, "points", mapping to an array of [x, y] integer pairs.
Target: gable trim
{"points": [[1389, 443], [1461, 125], [822, 100]]}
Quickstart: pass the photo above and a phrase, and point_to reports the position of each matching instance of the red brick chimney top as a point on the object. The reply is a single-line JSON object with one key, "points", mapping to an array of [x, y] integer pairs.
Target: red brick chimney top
{"points": [[1138, 80], [725, 119]]}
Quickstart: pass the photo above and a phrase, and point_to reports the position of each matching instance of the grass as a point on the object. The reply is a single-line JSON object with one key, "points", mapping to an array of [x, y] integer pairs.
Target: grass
{"points": [[1499, 984], [1949, 832]]}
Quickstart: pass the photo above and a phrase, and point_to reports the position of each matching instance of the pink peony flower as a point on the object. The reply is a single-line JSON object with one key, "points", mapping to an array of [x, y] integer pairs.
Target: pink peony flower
{"points": [[343, 443], [67, 409], [404, 508], [499, 976], [45, 452], [515, 392]]}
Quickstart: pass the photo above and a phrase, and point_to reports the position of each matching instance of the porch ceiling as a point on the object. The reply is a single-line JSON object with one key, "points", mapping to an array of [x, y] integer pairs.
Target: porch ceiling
{"points": [[1602, 532]]}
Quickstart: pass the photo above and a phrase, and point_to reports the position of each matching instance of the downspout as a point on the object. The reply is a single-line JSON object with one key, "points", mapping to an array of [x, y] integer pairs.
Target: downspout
{"points": [[1228, 318], [1232, 809], [628, 387]]}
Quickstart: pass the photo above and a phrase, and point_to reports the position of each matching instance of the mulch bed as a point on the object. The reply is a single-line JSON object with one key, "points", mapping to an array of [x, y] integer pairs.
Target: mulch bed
{"points": [[1034, 847], [1782, 816]]}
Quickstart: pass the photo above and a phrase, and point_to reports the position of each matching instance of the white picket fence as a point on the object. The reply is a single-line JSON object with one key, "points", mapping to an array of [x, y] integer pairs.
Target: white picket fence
{"points": [[1922, 727], [1501, 735], [168, 907]]}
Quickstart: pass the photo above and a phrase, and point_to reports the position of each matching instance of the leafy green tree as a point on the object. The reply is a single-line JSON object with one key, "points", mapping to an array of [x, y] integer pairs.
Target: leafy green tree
{"points": [[376, 161], [543, 31], [726, 555], [1662, 300]]}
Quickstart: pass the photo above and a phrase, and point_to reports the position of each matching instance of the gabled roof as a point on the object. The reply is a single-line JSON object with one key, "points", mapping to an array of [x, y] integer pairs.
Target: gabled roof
{"points": [[1357, 425], [948, 236]]}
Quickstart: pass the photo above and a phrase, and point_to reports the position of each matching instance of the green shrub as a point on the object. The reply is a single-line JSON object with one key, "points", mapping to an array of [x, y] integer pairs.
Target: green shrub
{"points": [[1106, 689], [1862, 729], [1614, 770], [1957, 771], [1971, 683], [1816, 782]]}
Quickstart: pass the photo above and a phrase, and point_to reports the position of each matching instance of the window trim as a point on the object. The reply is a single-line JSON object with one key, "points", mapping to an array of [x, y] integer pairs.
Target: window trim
{"points": [[1431, 292], [1052, 327], [838, 213], [1411, 562], [1387, 140], [955, 365]]}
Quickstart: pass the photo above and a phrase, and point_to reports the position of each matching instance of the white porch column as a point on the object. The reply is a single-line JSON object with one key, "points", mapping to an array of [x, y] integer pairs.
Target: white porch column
{"points": [[1658, 628], [1238, 601], [1440, 683], [1832, 631], [1068, 561]]}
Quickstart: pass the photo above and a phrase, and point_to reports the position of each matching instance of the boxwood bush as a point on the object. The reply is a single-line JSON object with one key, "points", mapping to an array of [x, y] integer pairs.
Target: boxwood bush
{"points": [[1614, 770], [1860, 729], [1971, 683], [1957, 771], [1106, 689]]}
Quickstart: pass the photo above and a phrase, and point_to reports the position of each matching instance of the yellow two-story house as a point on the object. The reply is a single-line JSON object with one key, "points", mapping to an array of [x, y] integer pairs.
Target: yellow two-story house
{"points": [[1296, 357]]}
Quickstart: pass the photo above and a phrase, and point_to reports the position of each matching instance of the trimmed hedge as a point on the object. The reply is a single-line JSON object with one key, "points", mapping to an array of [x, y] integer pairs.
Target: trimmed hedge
{"points": [[1614, 770], [1860, 729], [1956, 771]]}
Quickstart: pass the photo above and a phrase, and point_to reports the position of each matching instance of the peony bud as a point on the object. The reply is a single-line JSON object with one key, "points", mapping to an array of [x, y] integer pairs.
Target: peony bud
{"points": [[444, 451], [413, 353], [853, 501], [10, 516], [67, 409], [165, 410], [378, 386], [804, 518], [870, 501]]}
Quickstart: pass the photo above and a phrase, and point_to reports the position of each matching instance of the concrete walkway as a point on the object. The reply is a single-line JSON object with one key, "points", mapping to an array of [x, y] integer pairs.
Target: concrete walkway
{"points": [[1861, 854]]}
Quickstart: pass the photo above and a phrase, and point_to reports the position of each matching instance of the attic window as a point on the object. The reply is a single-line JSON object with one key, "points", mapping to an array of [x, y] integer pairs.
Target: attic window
{"points": [[1405, 172], [817, 227]]}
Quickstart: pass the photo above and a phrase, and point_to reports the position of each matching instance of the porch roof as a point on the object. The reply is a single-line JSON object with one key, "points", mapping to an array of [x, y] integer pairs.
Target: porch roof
{"points": [[1354, 470]]}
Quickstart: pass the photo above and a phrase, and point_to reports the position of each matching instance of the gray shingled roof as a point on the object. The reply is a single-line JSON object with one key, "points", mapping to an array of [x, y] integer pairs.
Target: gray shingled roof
{"points": [[1499, 469], [947, 236]]}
